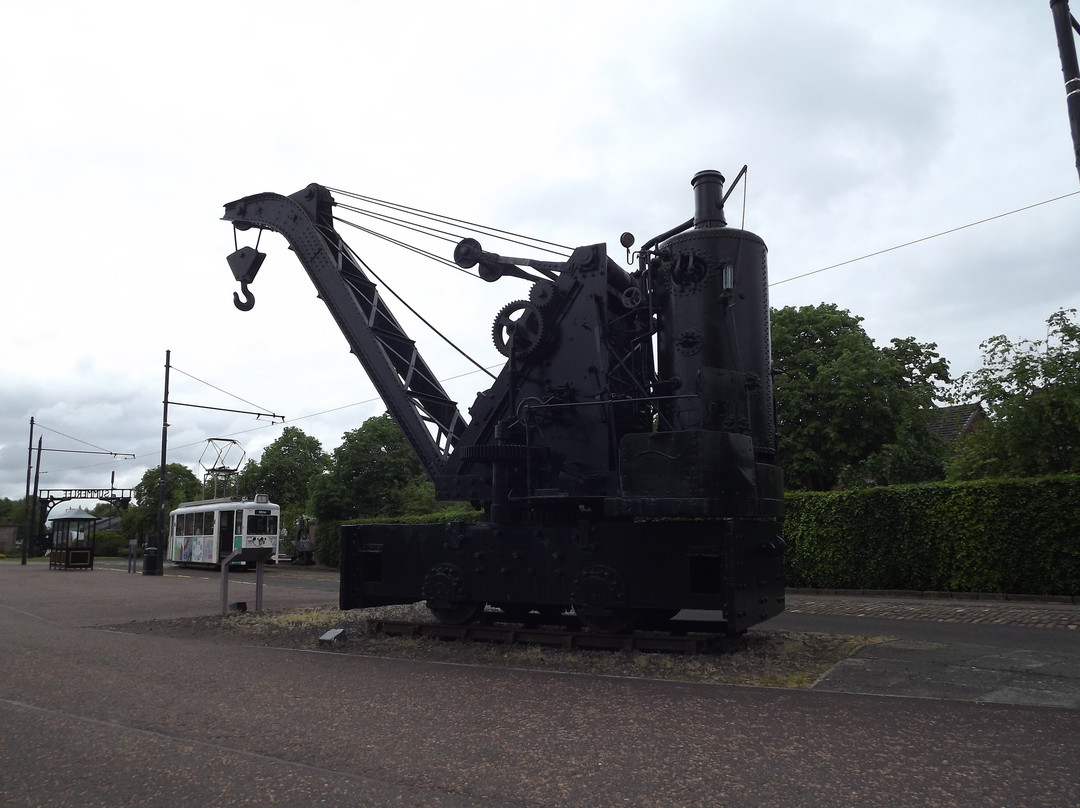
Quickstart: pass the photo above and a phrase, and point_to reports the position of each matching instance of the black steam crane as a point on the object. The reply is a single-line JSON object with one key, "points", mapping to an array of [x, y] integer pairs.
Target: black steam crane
{"points": [[623, 460]]}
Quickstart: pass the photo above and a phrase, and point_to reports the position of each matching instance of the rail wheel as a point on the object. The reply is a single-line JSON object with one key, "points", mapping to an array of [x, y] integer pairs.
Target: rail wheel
{"points": [[598, 597], [447, 596]]}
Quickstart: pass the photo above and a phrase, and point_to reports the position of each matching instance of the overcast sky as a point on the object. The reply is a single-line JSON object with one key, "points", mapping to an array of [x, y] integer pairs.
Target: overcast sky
{"points": [[128, 126]]}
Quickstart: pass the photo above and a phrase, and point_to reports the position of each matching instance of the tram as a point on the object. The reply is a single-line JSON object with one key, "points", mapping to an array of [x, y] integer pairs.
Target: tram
{"points": [[204, 532]]}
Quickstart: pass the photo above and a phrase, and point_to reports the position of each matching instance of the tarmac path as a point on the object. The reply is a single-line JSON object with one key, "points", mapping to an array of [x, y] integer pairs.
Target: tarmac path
{"points": [[94, 717], [986, 651]]}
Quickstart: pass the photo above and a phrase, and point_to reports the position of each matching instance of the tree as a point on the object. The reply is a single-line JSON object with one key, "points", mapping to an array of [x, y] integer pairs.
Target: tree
{"points": [[849, 412], [14, 510], [373, 473], [286, 467], [141, 518], [1030, 390]]}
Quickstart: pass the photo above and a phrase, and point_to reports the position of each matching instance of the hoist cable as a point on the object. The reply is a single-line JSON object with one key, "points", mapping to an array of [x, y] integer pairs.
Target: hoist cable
{"points": [[508, 235], [442, 235], [360, 263], [406, 246]]}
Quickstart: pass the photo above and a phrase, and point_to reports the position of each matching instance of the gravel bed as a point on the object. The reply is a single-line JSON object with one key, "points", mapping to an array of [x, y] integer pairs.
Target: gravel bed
{"points": [[758, 658]]}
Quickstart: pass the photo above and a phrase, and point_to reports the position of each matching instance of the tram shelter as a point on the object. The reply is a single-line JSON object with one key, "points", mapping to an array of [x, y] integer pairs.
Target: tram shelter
{"points": [[73, 536]]}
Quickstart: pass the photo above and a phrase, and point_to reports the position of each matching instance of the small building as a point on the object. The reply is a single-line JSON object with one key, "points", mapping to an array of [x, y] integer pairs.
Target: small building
{"points": [[951, 424], [73, 536]]}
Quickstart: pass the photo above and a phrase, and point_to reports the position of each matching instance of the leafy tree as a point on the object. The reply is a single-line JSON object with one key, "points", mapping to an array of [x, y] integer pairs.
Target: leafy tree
{"points": [[181, 485], [1030, 390], [13, 510], [373, 473], [849, 412], [286, 467]]}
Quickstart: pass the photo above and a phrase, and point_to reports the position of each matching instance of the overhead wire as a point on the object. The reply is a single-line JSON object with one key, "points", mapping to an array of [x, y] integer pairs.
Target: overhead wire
{"points": [[924, 238], [221, 390], [70, 437]]}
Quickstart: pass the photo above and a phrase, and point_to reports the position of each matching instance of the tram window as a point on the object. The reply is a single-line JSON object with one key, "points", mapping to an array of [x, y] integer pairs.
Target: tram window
{"points": [[261, 525], [197, 530], [189, 524], [208, 523]]}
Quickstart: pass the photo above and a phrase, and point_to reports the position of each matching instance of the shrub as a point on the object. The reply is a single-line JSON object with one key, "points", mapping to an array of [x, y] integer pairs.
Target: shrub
{"points": [[110, 543], [1003, 536], [328, 531]]}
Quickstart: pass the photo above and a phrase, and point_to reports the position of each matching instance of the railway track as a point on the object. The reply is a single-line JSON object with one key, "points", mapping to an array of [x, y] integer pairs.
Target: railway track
{"points": [[683, 638]]}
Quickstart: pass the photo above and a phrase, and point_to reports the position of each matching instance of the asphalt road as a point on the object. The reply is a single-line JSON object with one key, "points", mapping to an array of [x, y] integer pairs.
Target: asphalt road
{"points": [[96, 717]]}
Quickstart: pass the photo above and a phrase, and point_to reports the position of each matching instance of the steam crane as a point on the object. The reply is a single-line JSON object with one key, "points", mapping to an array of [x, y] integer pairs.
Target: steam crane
{"points": [[623, 460]]}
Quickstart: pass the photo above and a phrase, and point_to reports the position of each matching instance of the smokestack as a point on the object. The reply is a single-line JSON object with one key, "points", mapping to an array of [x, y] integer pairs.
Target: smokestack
{"points": [[708, 199]]}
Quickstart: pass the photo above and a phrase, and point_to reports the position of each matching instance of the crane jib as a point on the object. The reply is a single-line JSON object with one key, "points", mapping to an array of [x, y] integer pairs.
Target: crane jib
{"points": [[425, 413]]}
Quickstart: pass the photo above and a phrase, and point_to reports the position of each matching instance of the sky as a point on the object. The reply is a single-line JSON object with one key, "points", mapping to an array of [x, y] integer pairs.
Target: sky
{"points": [[129, 126]]}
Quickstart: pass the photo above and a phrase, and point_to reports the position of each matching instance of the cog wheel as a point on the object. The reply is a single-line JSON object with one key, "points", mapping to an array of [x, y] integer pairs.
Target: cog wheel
{"points": [[518, 329], [542, 293]]}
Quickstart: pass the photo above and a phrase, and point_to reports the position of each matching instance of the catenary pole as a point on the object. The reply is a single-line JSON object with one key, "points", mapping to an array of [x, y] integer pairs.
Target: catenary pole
{"points": [[1065, 24]]}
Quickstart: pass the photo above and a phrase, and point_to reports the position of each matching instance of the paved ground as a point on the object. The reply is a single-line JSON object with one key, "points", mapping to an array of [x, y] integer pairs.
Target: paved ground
{"points": [[93, 717], [990, 652]]}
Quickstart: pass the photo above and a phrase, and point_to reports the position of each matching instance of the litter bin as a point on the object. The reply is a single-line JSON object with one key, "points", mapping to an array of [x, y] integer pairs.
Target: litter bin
{"points": [[149, 561]]}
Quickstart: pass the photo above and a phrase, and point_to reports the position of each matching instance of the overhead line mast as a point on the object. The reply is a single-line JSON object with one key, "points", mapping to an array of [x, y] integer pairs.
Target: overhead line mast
{"points": [[1065, 24]]}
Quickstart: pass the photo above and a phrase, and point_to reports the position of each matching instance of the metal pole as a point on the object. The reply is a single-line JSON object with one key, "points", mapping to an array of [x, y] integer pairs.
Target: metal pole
{"points": [[34, 507], [159, 540], [258, 584], [26, 499], [1064, 23]]}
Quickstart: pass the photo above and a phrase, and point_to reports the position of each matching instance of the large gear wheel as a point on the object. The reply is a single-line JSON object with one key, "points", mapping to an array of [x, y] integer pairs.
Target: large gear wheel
{"points": [[518, 329]]}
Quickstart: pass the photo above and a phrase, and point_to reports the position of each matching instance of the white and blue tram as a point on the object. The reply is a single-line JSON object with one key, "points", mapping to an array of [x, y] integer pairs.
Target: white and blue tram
{"points": [[204, 532]]}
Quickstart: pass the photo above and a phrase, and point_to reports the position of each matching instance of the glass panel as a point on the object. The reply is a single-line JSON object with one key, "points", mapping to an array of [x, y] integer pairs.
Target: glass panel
{"points": [[259, 524]]}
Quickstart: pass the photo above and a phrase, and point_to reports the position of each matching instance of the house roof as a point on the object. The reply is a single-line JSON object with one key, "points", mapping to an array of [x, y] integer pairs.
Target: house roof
{"points": [[951, 423]]}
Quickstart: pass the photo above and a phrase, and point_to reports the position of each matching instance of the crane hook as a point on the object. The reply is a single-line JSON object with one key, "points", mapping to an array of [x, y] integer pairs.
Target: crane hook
{"points": [[248, 303]]}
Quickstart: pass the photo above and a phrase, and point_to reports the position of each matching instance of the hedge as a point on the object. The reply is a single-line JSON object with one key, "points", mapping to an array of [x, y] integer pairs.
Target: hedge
{"points": [[992, 536], [328, 532]]}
